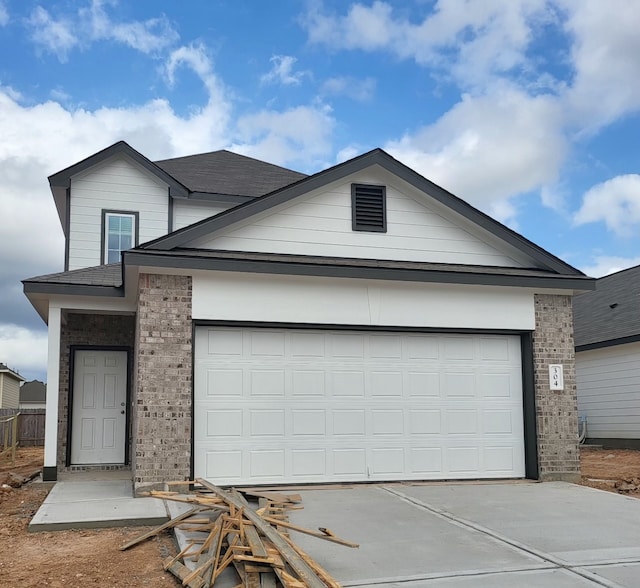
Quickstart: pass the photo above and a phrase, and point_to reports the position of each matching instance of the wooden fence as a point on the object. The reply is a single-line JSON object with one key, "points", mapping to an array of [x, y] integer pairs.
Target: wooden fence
{"points": [[30, 425]]}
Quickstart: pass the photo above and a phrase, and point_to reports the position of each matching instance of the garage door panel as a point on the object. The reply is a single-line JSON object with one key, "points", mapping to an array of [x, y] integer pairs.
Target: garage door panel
{"points": [[387, 422], [463, 460], [387, 461], [309, 422], [308, 383], [425, 422], [494, 349], [267, 383], [459, 384], [349, 346], [423, 384], [347, 383], [349, 422], [308, 345], [385, 347], [224, 382], [498, 422], [421, 348], [499, 459], [497, 385], [351, 463], [309, 463], [224, 423], [333, 406], [386, 383], [459, 348]]}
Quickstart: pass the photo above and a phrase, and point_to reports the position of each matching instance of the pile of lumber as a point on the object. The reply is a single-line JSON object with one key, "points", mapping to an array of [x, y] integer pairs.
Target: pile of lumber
{"points": [[252, 539]]}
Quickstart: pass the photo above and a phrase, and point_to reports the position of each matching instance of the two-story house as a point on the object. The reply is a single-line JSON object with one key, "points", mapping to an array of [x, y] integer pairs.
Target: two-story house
{"points": [[225, 318], [9, 387]]}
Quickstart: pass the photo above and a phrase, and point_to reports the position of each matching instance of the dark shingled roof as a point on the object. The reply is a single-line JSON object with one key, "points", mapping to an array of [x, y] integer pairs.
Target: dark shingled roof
{"points": [[100, 275], [34, 391], [224, 172], [611, 311]]}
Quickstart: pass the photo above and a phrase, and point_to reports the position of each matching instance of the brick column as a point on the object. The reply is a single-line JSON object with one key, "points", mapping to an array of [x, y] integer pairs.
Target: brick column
{"points": [[162, 412], [556, 410]]}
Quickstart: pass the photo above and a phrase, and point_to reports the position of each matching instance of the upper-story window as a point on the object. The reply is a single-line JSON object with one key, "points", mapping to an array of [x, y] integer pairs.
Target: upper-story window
{"points": [[119, 233]]}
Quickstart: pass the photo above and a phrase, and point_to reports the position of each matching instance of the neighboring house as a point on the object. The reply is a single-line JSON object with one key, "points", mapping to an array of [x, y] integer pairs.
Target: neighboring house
{"points": [[33, 394], [9, 387], [607, 339], [266, 327]]}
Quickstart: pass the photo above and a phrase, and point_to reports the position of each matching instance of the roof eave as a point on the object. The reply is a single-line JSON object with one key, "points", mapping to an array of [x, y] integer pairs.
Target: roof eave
{"points": [[175, 260]]}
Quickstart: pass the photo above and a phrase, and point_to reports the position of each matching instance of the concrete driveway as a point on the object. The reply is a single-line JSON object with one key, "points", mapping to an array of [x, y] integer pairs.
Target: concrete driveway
{"points": [[461, 535]]}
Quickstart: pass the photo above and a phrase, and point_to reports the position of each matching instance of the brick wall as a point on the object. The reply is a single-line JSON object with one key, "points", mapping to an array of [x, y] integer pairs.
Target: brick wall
{"points": [[162, 411], [86, 329], [556, 411]]}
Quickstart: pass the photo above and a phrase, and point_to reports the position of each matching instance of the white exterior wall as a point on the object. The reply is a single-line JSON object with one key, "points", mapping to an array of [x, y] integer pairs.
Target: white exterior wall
{"points": [[608, 382], [9, 392], [334, 301], [117, 184], [187, 212], [320, 224]]}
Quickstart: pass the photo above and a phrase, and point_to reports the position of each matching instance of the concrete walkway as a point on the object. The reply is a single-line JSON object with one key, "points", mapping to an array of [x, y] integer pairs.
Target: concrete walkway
{"points": [[80, 501]]}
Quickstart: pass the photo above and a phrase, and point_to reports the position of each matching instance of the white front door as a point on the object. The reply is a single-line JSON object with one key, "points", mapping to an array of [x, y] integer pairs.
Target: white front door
{"points": [[99, 407]]}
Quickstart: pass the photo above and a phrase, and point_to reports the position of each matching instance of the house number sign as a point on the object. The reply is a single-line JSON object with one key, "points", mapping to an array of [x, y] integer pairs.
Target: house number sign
{"points": [[556, 378]]}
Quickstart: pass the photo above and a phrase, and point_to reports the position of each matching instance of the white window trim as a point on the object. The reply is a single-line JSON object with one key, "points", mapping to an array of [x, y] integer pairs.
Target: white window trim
{"points": [[106, 215]]}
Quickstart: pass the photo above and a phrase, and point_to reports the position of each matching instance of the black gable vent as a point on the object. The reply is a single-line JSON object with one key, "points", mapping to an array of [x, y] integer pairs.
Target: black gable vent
{"points": [[369, 208]]}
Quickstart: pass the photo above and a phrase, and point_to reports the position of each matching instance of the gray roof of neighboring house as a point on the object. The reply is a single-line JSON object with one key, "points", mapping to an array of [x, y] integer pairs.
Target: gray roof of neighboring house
{"points": [[34, 391], [611, 313], [224, 172]]}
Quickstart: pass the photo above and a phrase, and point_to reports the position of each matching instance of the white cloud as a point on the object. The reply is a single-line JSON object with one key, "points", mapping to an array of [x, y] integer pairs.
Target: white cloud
{"points": [[470, 40], [59, 35], [616, 202], [300, 136], [604, 54], [55, 36], [149, 36], [4, 14], [603, 265], [360, 90], [282, 71], [488, 149], [22, 349]]}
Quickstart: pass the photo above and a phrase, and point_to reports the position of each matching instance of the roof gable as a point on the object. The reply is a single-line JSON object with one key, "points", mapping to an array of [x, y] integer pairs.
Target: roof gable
{"points": [[60, 182], [320, 223], [210, 228]]}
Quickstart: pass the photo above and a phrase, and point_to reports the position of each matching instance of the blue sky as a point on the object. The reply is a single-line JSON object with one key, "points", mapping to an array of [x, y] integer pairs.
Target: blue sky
{"points": [[528, 109]]}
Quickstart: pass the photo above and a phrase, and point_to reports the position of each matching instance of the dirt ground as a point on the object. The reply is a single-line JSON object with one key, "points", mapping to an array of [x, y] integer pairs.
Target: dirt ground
{"points": [[70, 558], [91, 557], [616, 470]]}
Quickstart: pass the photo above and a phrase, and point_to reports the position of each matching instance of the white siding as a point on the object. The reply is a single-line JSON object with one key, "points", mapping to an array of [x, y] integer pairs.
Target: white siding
{"points": [[187, 212], [608, 382], [254, 297], [418, 229], [9, 392], [117, 184]]}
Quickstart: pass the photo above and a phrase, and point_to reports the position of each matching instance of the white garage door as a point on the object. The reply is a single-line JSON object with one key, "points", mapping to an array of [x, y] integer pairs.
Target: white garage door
{"points": [[296, 406]]}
